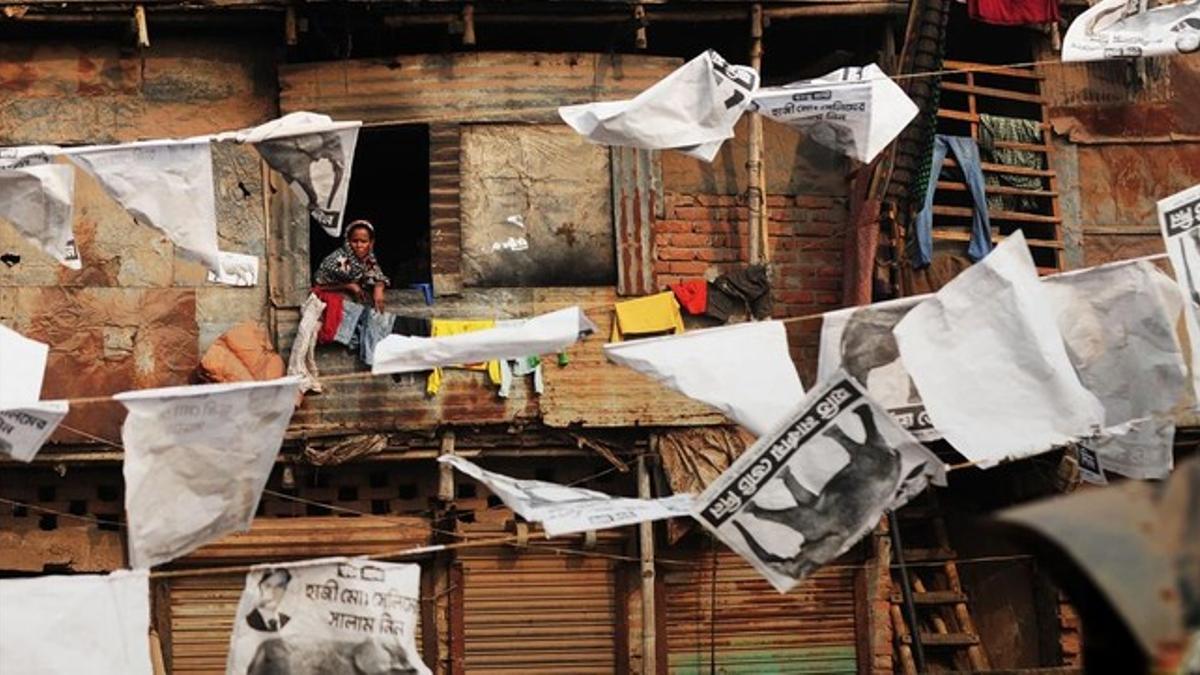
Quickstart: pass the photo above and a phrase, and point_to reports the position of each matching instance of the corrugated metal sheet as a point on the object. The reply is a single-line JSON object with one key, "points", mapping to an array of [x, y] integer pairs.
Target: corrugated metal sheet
{"points": [[203, 608], [637, 198], [750, 627], [534, 610], [465, 86], [445, 219]]}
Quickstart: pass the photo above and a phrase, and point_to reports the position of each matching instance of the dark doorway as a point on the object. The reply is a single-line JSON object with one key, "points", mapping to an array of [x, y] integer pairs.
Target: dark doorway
{"points": [[389, 186]]}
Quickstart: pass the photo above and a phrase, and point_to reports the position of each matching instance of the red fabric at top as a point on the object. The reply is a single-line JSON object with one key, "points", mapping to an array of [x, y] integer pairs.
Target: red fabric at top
{"points": [[1013, 12], [332, 318], [692, 295]]}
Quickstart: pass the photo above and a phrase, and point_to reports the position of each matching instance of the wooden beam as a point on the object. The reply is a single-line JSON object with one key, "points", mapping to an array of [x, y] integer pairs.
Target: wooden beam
{"points": [[468, 19], [755, 171], [143, 31], [646, 546]]}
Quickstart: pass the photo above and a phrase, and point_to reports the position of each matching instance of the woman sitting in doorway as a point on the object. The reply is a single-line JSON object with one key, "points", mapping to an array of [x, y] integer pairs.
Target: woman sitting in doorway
{"points": [[352, 269]]}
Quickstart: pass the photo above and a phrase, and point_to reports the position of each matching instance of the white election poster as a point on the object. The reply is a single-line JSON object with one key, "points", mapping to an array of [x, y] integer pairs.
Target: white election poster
{"points": [[333, 615], [855, 111], [987, 356], [196, 461], [1179, 218], [315, 154], [743, 370], [804, 493], [692, 110], [22, 367], [1118, 321], [94, 624], [24, 428], [562, 509], [164, 184], [859, 340], [1122, 29], [38, 197]]}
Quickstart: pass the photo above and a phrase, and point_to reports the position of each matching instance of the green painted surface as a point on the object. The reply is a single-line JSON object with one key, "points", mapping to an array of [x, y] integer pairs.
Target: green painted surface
{"points": [[823, 660]]}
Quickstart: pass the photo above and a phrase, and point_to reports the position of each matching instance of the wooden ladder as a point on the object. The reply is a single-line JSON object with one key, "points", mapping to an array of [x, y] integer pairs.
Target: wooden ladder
{"points": [[948, 636]]}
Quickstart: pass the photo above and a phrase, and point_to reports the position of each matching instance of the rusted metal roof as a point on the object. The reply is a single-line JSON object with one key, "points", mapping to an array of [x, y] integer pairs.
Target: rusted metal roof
{"points": [[637, 199]]}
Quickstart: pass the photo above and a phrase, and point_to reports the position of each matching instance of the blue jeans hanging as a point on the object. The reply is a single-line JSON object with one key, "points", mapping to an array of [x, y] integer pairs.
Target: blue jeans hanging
{"points": [[966, 152]]}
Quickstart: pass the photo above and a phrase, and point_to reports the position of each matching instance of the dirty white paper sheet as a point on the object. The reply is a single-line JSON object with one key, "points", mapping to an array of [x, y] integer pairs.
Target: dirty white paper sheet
{"points": [[692, 110], [1179, 221], [25, 428], [25, 421], [92, 624], [543, 334], [332, 615], [315, 154], [237, 269], [22, 367], [859, 340], [1118, 321], [196, 461], [816, 483], [167, 185], [856, 111], [989, 362], [1119, 29], [743, 370], [562, 509], [38, 197]]}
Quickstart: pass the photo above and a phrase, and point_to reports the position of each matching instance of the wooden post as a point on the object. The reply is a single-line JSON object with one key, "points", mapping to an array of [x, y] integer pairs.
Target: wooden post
{"points": [[445, 471], [468, 19], [646, 546], [639, 20], [756, 175], [143, 31], [291, 34]]}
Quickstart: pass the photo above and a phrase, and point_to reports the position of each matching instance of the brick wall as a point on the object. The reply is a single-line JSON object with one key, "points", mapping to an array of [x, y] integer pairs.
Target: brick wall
{"points": [[703, 233]]}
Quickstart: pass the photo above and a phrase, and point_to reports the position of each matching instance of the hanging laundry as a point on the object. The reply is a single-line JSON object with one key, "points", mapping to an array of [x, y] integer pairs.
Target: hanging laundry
{"points": [[743, 370], [1119, 29], [86, 623], [808, 490], [989, 362], [514, 368], [167, 185], [651, 315], [196, 461], [742, 291], [302, 362], [375, 327], [38, 197], [242, 353], [1118, 321], [563, 509], [348, 330], [993, 128], [692, 110], [542, 334], [26, 422], [692, 295], [446, 328], [855, 111], [1179, 222], [331, 319], [1014, 12], [411, 326], [314, 154], [332, 615], [966, 153]]}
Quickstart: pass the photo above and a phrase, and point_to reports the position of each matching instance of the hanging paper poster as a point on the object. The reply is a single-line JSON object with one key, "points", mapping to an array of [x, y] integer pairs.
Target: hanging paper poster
{"points": [[24, 428], [167, 185], [562, 509], [1179, 220], [743, 370], [1123, 29], [804, 493], [38, 197], [196, 461], [855, 111], [859, 340], [334, 615], [237, 269], [22, 367], [692, 110], [85, 623]]}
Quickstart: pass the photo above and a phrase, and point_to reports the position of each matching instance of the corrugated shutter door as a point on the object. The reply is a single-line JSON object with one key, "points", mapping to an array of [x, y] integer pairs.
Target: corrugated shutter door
{"points": [[202, 611], [538, 611], [753, 628]]}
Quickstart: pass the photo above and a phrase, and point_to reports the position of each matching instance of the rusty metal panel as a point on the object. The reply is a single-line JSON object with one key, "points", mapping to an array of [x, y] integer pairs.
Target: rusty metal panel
{"points": [[637, 199], [465, 87], [593, 392], [445, 217], [723, 608], [536, 207], [1120, 183]]}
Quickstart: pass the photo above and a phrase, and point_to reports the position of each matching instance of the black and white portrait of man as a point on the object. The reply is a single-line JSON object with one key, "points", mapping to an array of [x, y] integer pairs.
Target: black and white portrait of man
{"points": [[271, 589]]}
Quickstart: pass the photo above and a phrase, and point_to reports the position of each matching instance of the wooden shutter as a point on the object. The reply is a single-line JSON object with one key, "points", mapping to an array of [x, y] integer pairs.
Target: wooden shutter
{"points": [[749, 627]]}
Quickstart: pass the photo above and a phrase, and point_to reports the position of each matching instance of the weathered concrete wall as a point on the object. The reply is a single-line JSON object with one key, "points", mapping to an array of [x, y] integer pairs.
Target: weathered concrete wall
{"points": [[1123, 142], [136, 315]]}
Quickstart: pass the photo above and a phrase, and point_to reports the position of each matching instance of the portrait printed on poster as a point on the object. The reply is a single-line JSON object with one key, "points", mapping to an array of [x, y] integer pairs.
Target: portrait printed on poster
{"points": [[805, 493], [328, 617], [859, 340]]}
